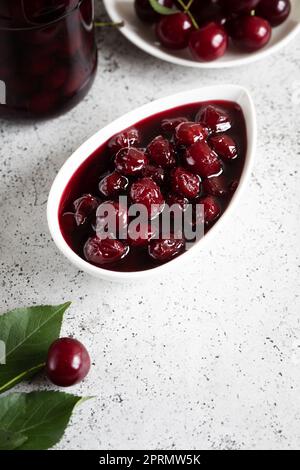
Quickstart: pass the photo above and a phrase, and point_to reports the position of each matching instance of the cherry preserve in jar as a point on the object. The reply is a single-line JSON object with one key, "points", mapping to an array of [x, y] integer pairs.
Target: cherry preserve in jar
{"points": [[48, 56]]}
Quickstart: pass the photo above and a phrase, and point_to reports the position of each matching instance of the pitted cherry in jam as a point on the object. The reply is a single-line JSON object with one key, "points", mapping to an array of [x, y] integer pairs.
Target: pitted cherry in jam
{"points": [[183, 158]]}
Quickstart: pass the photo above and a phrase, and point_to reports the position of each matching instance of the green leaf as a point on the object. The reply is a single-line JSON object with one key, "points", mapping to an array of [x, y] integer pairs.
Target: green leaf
{"points": [[161, 9], [11, 440], [40, 418], [27, 334]]}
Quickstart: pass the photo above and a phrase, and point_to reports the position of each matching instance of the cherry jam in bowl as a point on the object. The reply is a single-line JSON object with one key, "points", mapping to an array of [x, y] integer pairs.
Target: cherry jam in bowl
{"points": [[181, 158], [48, 56]]}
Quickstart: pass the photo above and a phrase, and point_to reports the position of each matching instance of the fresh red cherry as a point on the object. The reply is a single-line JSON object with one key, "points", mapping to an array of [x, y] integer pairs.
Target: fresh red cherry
{"points": [[161, 152], [128, 138], [239, 6], [84, 207], [130, 161], [215, 118], [173, 31], [103, 251], [206, 11], [203, 160], [274, 11], [212, 209], [168, 126], [187, 133], [250, 33], [185, 183], [111, 218], [68, 362], [113, 184], [146, 13], [208, 43], [216, 186], [225, 147], [146, 192], [154, 172], [165, 250], [141, 235]]}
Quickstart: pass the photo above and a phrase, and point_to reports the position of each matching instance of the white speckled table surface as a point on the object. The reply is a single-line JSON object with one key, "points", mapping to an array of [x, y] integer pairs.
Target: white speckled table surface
{"points": [[209, 358]]}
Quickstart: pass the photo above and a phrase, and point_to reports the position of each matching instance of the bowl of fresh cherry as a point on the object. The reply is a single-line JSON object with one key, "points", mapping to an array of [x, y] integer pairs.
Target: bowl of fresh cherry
{"points": [[210, 33], [114, 207]]}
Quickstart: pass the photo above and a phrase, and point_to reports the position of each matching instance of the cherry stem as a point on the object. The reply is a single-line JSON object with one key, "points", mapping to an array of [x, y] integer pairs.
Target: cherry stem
{"points": [[186, 9], [110, 24]]}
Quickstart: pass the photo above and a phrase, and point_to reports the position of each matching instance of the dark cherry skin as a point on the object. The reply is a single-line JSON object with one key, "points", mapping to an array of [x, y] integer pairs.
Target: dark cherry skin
{"points": [[128, 138], [250, 33], [216, 186], [206, 11], [161, 152], [214, 118], [68, 362], [146, 13], [239, 6], [84, 207], [274, 11], [212, 209], [224, 146], [168, 126], [173, 31], [187, 133], [165, 250], [154, 172], [145, 191], [130, 161], [113, 184], [153, 184], [203, 160], [103, 251], [209, 43], [184, 183]]}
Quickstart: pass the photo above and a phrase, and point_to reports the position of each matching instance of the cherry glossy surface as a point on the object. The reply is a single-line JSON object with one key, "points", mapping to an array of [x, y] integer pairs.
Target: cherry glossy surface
{"points": [[68, 362], [274, 11], [250, 33], [209, 43], [201, 159], [185, 183], [173, 31], [187, 133], [154, 182], [225, 146]]}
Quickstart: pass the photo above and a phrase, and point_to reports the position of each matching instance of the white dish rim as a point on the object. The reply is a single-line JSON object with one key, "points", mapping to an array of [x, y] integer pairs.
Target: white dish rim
{"points": [[162, 54], [233, 93]]}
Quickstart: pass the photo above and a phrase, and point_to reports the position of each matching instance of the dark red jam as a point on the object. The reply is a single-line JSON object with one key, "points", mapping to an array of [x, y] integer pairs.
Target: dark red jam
{"points": [[189, 156], [48, 56]]}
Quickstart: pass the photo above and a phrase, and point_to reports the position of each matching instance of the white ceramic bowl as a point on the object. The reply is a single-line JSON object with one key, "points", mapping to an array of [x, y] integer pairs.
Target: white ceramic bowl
{"points": [[221, 92], [143, 37]]}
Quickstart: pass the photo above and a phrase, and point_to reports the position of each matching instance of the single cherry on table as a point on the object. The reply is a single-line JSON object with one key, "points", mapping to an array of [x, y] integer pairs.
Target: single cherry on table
{"points": [[68, 362], [185, 156]]}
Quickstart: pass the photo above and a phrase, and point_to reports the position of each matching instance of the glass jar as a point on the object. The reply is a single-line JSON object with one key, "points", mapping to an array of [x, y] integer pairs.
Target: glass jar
{"points": [[48, 55]]}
